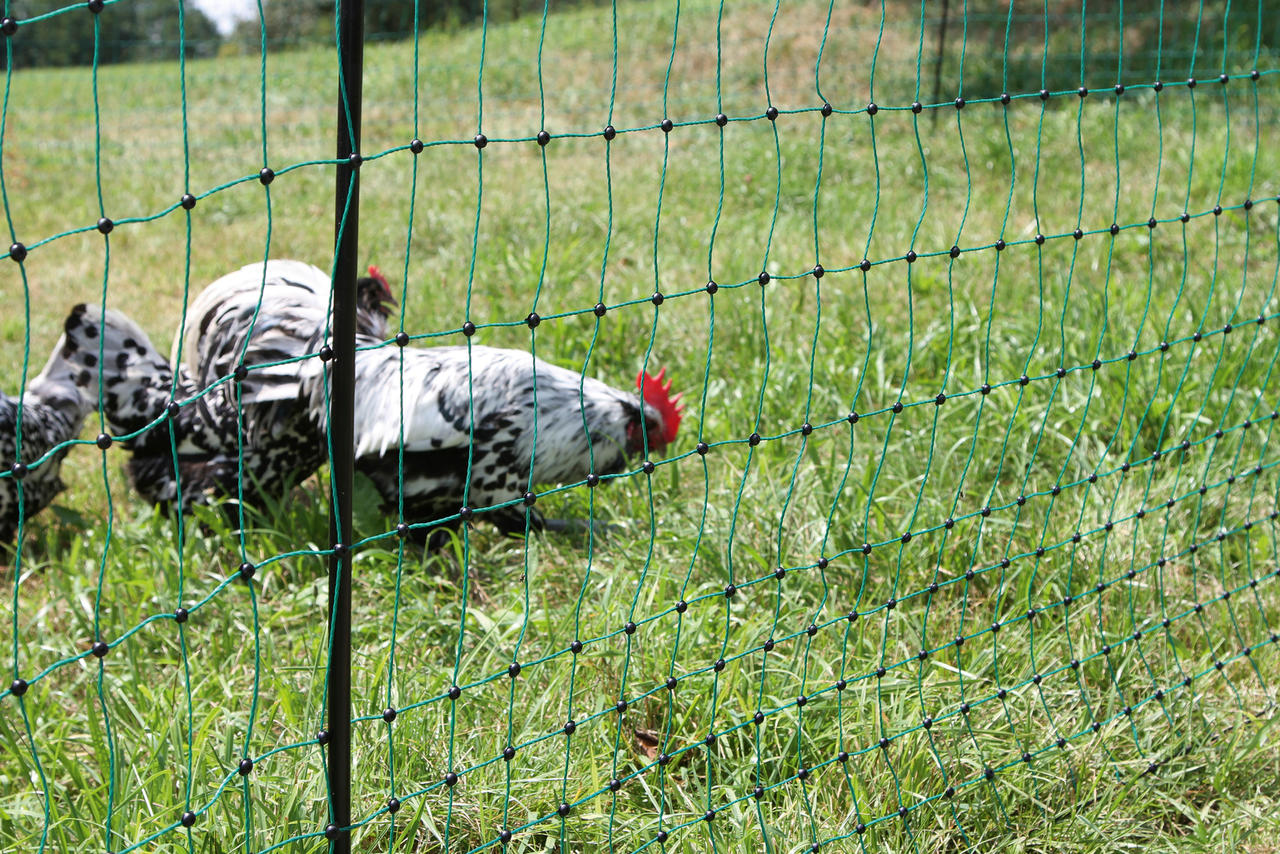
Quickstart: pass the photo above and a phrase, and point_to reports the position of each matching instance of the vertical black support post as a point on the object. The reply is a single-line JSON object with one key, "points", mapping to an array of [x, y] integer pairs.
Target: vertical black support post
{"points": [[341, 412]]}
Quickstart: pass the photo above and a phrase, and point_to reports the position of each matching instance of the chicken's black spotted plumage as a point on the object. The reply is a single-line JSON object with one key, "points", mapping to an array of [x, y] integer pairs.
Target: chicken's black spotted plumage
{"points": [[251, 385], [52, 411], [481, 399], [241, 426]]}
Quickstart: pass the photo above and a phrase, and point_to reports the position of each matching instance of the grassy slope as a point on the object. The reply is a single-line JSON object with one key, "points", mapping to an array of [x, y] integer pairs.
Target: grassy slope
{"points": [[752, 359]]}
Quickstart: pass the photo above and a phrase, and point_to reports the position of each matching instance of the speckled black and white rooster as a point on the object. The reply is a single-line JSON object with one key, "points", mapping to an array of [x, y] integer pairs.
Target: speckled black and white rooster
{"points": [[53, 410], [239, 420], [441, 405], [478, 403]]}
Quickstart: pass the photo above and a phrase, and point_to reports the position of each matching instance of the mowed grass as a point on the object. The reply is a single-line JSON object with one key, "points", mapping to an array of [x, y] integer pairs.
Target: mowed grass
{"points": [[1106, 501]]}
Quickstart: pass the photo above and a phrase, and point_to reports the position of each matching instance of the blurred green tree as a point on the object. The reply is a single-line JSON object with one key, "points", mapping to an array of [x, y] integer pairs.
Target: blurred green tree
{"points": [[132, 31]]}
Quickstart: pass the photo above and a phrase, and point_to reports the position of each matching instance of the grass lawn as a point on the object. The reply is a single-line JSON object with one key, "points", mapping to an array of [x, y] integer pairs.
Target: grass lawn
{"points": [[1025, 600]]}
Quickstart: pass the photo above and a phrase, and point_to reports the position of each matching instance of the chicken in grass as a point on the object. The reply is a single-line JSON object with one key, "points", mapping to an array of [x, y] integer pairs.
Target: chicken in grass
{"points": [[285, 416], [461, 407], [53, 410], [239, 421], [475, 407]]}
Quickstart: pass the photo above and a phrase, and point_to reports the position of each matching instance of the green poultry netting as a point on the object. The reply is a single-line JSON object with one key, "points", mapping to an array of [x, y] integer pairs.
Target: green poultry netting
{"points": [[967, 537]]}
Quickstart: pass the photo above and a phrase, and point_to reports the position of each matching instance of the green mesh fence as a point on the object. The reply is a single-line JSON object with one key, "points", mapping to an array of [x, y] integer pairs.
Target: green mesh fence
{"points": [[969, 535]]}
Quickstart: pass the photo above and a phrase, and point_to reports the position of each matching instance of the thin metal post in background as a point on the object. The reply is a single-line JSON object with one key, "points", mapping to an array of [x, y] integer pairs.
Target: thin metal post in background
{"points": [[341, 414]]}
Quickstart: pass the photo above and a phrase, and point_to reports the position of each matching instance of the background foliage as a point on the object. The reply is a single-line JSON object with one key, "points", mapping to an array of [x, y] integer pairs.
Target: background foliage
{"points": [[1155, 36]]}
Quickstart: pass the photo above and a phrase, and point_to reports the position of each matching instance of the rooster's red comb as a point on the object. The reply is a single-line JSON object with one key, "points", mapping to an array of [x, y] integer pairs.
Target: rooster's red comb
{"points": [[657, 394], [376, 275]]}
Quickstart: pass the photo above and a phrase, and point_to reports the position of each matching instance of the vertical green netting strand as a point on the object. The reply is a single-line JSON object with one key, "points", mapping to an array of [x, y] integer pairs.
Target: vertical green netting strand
{"points": [[1134, 542], [26, 351], [1223, 343], [22, 389], [1064, 358], [1231, 319], [981, 523], [711, 288], [513, 670], [246, 753], [392, 789], [179, 532], [100, 645], [1236, 318], [1226, 582], [846, 669], [1256, 407], [687, 581], [896, 409], [649, 466], [868, 483], [530, 494], [1009, 549], [1160, 368], [1250, 514], [615, 773], [816, 616], [924, 653], [1204, 314], [46, 801], [266, 256], [1124, 401], [939, 401], [1182, 379], [818, 272], [1044, 539], [764, 280], [1082, 522]]}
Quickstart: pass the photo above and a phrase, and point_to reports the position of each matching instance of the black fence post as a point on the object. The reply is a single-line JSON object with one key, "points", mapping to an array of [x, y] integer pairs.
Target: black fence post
{"points": [[341, 414]]}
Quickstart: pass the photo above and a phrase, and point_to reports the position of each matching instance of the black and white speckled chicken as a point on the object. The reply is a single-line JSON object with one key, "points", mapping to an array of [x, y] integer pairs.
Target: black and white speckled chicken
{"points": [[52, 412], [238, 419], [477, 406], [271, 411]]}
